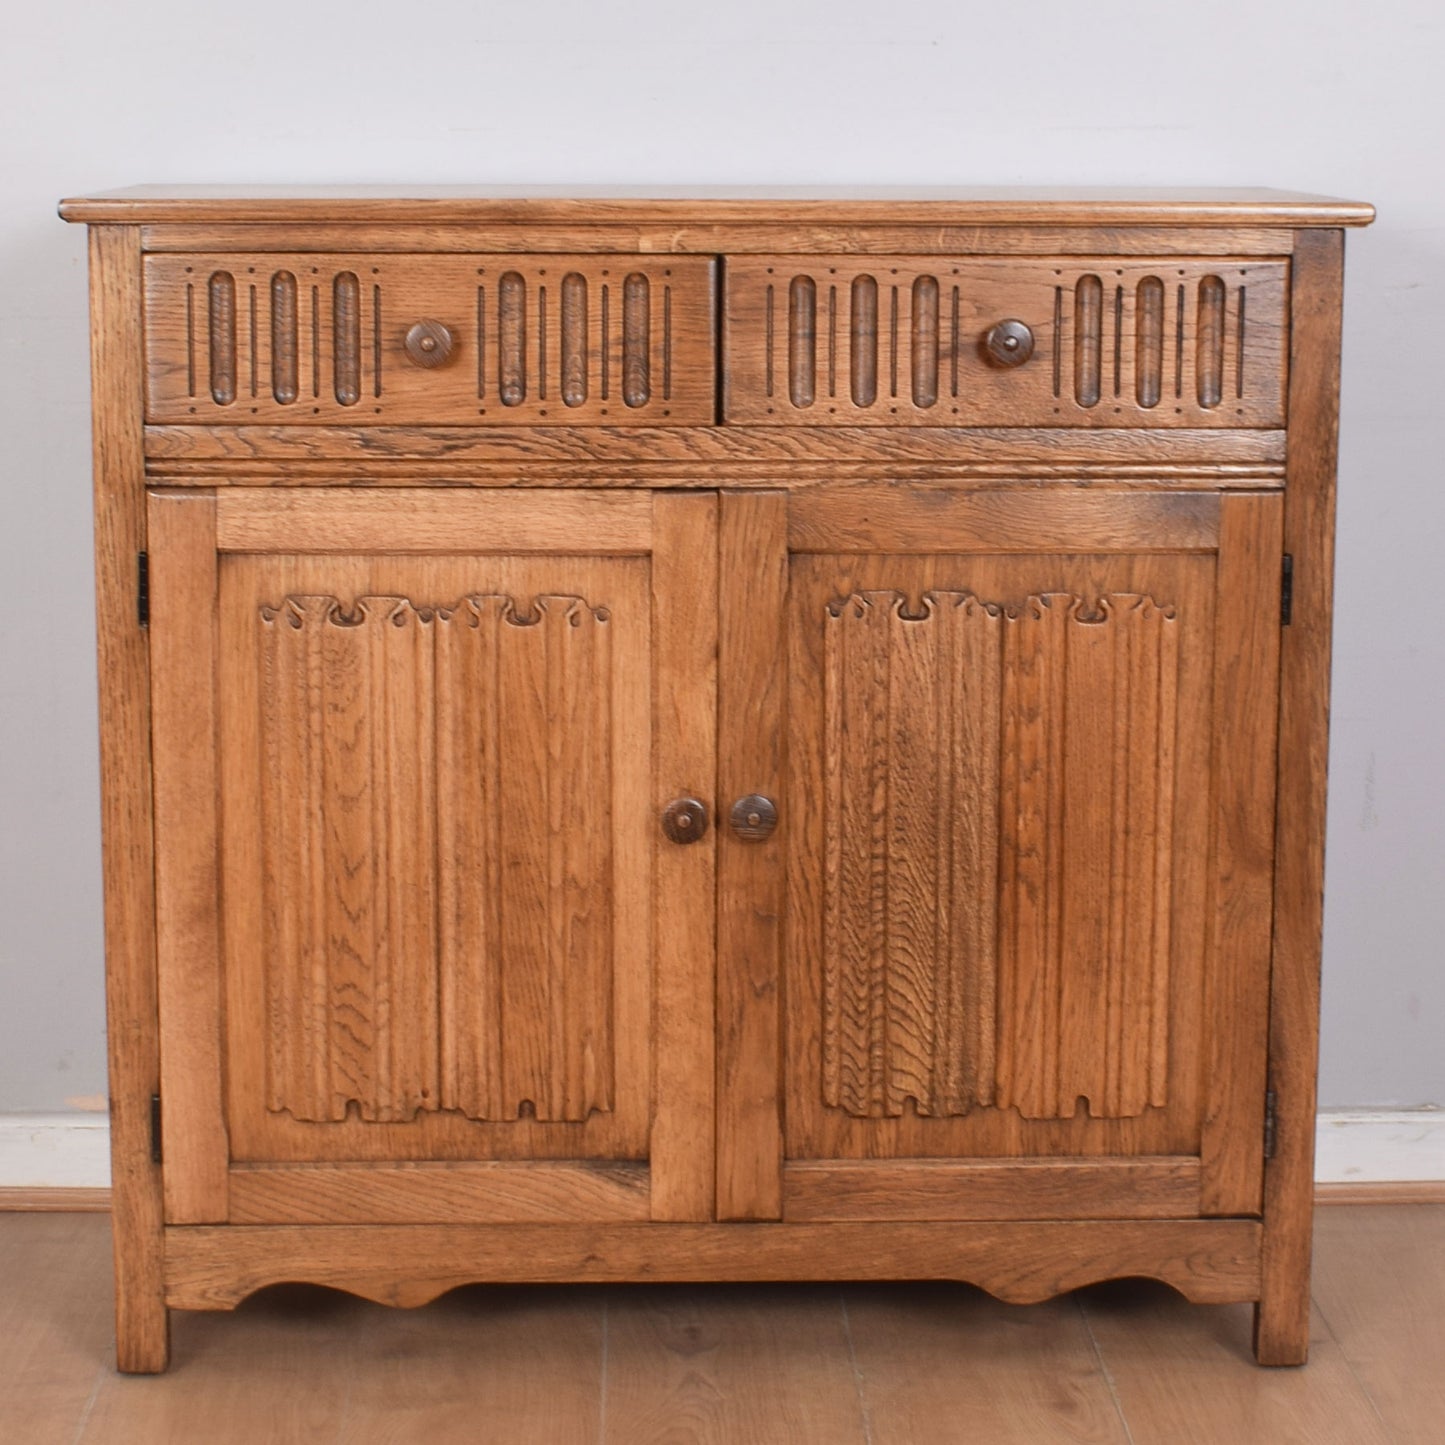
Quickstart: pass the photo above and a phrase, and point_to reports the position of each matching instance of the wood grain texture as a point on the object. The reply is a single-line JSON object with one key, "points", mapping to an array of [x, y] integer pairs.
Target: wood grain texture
{"points": [[542, 205], [437, 839], [344, 352], [184, 666], [1246, 655], [98, 1201], [619, 455], [897, 519], [1386, 1191], [935, 1362], [1088, 873], [960, 733], [128, 872], [721, 1368], [1107, 1007], [1184, 1376], [214, 1267], [1379, 1280], [63, 1199], [752, 684], [453, 1193], [953, 1367], [389, 728], [301, 1364], [685, 680], [1282, 1322], [1000, 639], [519, 1366], [54, 1325], [390, 520], [711, 238], [888, 326], [923, 1189]]}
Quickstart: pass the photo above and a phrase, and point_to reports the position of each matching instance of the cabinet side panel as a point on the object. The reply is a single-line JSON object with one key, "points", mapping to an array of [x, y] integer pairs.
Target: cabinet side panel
{"points": [[142, 1343], [1282, 1322]]}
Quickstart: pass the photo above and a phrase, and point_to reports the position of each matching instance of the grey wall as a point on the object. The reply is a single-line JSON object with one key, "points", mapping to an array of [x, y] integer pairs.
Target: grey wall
{"points": [[1344, 99]]}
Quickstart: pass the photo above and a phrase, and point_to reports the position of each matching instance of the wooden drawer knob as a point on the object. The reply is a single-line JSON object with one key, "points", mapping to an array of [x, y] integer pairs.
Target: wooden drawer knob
{"points": [[754, 817], [1008, 343], [430, 343], [684, 820]]}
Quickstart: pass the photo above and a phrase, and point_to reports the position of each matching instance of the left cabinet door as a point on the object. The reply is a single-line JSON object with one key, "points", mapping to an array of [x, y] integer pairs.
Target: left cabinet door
{"points": [[411, 748]]}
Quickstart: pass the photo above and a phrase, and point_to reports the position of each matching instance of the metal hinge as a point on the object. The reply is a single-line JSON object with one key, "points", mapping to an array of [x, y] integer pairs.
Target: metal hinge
{"points": [[156, 1153], [1286, 591], [143, 588], [1269, 1124]]}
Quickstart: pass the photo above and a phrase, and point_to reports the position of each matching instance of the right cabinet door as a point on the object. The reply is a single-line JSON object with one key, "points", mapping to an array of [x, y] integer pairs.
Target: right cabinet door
{"points": [[1026, 843]]}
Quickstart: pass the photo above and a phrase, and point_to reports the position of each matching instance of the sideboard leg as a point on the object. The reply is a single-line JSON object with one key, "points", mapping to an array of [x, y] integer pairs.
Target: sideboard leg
{"points": [[1282, 1315], [1282, 1327], [142, 1321], [142, 1334]]}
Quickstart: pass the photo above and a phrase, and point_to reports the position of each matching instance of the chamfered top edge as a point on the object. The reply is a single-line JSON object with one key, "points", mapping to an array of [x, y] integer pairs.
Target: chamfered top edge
{"points": [[706, 205]]}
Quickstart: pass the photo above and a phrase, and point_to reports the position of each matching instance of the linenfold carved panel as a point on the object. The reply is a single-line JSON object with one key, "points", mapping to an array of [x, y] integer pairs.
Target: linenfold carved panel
{"points": [[999, 821], [438, 926], [567, 340], [900, 340]]}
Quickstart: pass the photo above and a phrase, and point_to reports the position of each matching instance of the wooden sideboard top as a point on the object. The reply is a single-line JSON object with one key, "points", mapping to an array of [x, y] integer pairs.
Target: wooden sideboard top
{"points": [[762, 205]]}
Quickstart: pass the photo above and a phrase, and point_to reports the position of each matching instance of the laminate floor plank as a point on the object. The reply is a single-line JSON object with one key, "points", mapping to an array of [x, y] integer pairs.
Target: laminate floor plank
{"points": [[1379, 1281], [906, 1364], [1184, 1375], [944, 1363], [56, 1329], [735, 1365], [278, 1369], [515, 1366]]}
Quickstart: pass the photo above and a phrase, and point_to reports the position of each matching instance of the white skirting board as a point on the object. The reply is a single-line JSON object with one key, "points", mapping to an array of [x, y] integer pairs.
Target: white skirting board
{"points": [[1379, 1146], [1353, 1146], [54, 1151]]}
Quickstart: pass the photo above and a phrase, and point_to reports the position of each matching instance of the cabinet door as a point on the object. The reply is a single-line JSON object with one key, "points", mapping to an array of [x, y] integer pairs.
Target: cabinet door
{"points": [[410, 752], [1025, 746]]}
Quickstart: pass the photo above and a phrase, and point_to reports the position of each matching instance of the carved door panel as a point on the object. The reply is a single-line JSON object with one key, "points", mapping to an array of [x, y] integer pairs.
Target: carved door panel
{"points": [[1028, 829], [407, 788]]}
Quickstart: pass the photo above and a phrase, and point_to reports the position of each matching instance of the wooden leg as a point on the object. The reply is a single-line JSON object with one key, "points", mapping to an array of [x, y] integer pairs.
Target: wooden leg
{"points": [[137, 1217], [1282, 1321], [142, 1321], [142, 1337], [1282, 1318]]}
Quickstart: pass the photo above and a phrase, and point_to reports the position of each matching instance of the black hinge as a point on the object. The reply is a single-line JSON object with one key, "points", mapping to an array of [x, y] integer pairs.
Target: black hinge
{"points": [[156, 1129], [1269, 1126], [143, 588], [1286, 591]]}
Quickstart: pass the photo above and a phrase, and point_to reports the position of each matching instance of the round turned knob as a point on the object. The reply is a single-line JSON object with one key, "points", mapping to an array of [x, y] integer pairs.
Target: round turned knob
{"points": [[430, 343], [754, 817], [1008, 343], [684, 820]]}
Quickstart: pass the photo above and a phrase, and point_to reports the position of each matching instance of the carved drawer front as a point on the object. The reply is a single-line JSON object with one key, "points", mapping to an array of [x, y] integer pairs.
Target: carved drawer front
{"points": [[909, 340], [482, 339]]}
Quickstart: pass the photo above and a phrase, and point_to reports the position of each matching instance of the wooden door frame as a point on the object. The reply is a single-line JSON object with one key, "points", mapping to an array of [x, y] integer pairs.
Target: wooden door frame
{"points": [[190, 529], [1244, 530]]}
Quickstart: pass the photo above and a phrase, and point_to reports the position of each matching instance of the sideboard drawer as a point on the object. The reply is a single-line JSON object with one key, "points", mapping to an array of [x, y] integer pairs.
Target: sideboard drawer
{"points": [[410, 339], [925, 341]]}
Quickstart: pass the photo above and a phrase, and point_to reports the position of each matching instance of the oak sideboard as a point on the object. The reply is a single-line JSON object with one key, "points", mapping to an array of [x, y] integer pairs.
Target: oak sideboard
{"points": [[713, 736]]}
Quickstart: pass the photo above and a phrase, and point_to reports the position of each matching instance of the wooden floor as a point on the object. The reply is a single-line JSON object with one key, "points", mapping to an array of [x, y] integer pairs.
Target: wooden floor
{"points": [[746, 1365]]}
